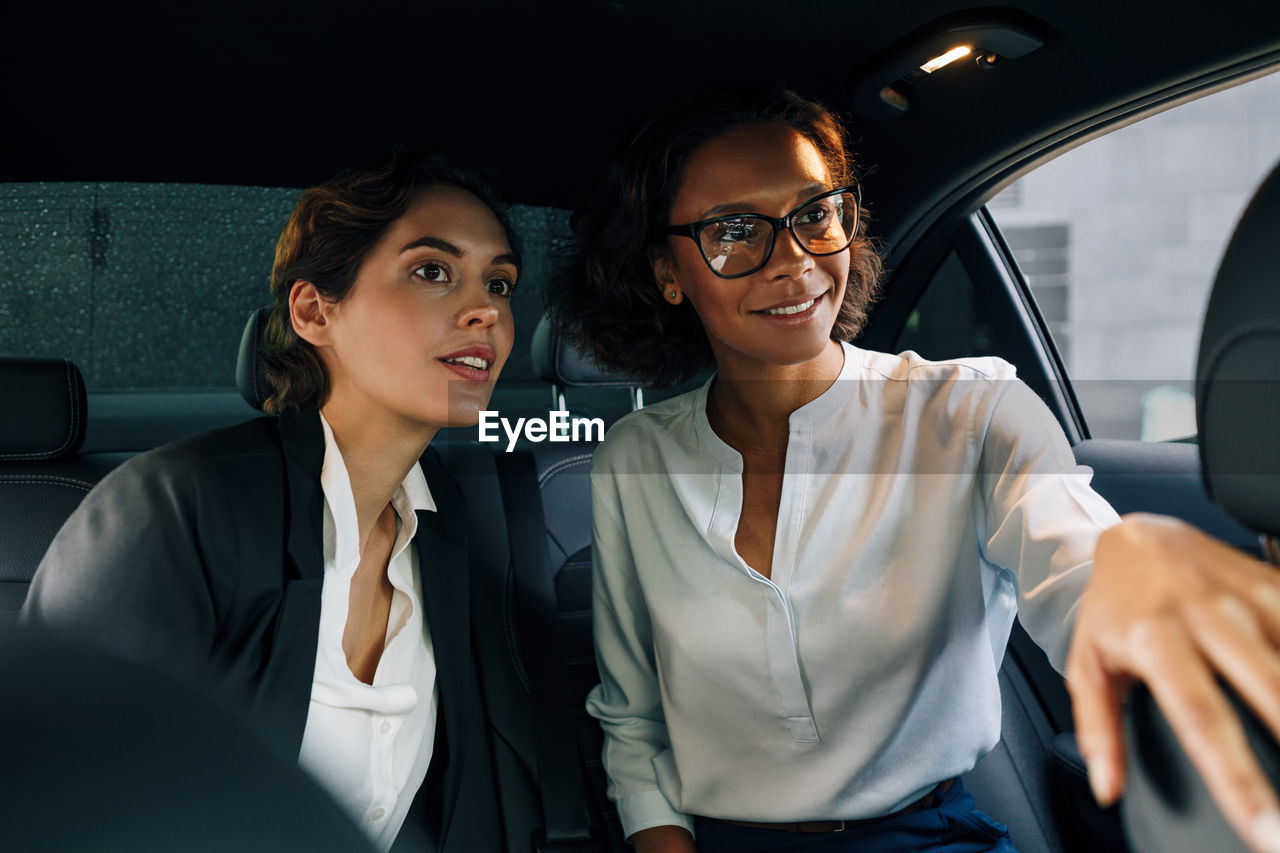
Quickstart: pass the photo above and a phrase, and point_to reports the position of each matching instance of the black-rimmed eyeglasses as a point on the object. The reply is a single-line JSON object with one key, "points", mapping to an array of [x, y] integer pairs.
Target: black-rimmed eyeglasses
{"points": [[741, 243]]}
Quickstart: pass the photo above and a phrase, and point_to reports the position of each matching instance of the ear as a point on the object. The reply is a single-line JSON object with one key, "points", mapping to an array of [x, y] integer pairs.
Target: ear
{"points": [[309, 312], [665, 275]]}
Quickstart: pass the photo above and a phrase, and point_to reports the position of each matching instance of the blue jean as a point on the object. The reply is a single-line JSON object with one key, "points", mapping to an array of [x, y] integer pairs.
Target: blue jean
{"points": [[952, 826]]}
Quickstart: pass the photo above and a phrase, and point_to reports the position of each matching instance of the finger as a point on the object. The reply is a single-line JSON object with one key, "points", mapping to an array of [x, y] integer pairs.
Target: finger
{"points": [[1208, 730], [1096, 697], [1231, 637]]}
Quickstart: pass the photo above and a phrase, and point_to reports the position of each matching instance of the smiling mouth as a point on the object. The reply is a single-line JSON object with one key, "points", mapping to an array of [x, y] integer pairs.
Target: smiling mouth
{"points": [[468, 361], [791, 309]]}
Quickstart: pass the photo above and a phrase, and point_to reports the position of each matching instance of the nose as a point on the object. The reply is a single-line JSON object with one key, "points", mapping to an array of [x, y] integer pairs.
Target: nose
{"points": [[480, 311], [787, 258], [478, 316]]}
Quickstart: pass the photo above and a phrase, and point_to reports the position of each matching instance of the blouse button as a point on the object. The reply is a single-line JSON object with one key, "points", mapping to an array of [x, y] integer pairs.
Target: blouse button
{"points": [[378, 814], [385, 728]]}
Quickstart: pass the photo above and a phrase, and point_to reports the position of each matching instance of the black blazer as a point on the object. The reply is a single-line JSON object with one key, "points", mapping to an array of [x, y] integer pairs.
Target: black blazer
{"points": [[204, 558]]}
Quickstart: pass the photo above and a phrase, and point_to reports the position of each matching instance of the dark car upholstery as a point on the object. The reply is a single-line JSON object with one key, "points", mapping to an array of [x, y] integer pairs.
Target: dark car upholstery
{"points": [[43, 476]]}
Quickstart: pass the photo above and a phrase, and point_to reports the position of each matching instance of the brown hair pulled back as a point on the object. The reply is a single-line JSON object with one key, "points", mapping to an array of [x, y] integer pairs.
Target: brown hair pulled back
{"points": [[329, 234]]}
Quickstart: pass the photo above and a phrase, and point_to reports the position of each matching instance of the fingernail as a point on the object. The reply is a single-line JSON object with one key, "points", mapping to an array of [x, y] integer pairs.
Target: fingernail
{"points": [[1101, 780], [1266, 832]]}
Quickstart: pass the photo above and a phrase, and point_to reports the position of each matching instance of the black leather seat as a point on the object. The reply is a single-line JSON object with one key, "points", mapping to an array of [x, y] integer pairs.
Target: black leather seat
{"points": [[1166, 806], [43, 477]]}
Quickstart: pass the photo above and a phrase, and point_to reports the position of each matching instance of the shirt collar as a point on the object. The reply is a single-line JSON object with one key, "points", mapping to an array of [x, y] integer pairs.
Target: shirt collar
{"points": [[411, 497]]}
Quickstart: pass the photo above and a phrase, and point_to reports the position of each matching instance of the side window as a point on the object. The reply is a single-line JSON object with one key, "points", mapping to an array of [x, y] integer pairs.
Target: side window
{"points": [[1119, 241]]}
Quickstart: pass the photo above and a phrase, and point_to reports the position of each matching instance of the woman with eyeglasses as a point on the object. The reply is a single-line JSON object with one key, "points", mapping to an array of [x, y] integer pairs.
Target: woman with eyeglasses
{"points": [[806, 571]]}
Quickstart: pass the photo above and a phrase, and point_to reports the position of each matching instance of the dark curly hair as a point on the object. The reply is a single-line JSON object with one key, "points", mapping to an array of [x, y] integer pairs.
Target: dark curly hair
{"points": [[606, 302], [330, 232]]}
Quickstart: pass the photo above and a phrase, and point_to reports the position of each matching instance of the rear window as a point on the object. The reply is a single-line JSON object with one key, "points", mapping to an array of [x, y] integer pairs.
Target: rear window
{"points": [[147, 287]]}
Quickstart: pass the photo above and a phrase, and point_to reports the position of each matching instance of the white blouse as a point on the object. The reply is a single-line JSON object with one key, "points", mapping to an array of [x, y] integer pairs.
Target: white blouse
{"points": [[923, 503], [369, 745]]}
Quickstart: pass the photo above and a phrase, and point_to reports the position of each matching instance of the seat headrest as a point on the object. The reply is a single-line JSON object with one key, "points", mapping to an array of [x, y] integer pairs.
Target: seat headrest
{"points": [[1238, 370], [555, 361], [47, 405], [251, 373]]}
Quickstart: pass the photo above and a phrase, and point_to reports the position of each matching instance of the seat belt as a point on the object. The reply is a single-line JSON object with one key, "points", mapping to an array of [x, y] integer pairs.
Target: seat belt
{"points": [[567, 822]]}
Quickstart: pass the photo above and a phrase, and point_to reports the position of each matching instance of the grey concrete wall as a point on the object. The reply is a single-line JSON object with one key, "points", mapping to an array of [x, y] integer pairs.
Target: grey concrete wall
{"points": [[1149, 209]]}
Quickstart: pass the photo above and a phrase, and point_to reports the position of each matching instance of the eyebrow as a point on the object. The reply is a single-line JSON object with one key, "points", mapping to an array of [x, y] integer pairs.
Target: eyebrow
{"points": [[448, 248], [433, 243], [743, 207]]}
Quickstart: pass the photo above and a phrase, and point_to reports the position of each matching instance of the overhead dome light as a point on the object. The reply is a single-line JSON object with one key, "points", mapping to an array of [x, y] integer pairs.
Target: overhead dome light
{"points": [[946, 59], [884, 86]]}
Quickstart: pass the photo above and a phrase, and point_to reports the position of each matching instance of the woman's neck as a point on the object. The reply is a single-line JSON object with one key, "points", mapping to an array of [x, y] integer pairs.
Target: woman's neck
{"points": [[756, 401], [750, 405], [378, 453]]}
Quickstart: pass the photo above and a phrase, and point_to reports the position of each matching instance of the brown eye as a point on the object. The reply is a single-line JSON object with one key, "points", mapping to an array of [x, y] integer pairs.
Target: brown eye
{"points": [[432, 272], [502, 287]]}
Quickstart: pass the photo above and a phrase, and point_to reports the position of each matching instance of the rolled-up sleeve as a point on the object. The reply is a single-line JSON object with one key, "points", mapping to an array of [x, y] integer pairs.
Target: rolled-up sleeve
{"points": [[628, 701]]}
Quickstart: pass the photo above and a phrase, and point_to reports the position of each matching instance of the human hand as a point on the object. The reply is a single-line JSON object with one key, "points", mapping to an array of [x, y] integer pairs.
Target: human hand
{"points": [[664, 839], [1174, 607]]}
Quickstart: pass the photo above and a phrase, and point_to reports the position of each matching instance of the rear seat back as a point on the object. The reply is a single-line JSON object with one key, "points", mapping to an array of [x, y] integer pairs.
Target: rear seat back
{"points": [[43, 477]]}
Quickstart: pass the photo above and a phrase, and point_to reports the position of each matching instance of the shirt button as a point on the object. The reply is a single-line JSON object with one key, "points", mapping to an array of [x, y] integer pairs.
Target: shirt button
{"points": [[378, 814], [385, 727]]}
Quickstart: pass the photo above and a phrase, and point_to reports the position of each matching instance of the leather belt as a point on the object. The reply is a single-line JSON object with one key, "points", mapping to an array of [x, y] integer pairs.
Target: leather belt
{"points": [[928, 801]]}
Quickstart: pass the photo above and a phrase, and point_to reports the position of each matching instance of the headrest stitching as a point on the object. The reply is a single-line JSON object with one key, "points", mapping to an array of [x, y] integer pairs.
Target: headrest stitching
{"points": [[1244, 332], [75, 410], [563, 463], [44, 480]]}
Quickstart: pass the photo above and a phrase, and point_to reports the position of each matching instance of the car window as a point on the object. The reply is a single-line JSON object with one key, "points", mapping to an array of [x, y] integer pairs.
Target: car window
{"points": [[146, 287], [1119, 241]]}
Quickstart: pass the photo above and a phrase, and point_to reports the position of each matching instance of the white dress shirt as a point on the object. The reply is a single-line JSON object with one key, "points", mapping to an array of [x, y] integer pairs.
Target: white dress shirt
{"points": [[369, 745], [923, 503]]}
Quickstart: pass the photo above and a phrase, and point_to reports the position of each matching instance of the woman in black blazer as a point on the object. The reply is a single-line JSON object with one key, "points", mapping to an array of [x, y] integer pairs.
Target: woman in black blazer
{"points": [[311, 567]]}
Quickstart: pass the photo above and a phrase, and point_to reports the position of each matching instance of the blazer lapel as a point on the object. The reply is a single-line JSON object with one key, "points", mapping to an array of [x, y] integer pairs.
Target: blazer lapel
{"points": [[282, 695], [442, 558], [303, 440]]}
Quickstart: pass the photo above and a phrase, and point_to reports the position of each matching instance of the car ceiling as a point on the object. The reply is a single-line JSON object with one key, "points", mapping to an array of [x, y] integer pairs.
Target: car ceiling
{"points": [[285, 93]]}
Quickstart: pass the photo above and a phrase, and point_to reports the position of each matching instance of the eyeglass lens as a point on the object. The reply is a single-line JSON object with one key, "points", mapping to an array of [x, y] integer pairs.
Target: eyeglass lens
{"points": [[742, 244]]}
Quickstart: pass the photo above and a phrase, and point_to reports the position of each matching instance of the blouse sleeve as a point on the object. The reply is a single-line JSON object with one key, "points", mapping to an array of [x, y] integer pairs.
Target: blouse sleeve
{"points": [[627, 702], [126, 571], [1040, 518]]}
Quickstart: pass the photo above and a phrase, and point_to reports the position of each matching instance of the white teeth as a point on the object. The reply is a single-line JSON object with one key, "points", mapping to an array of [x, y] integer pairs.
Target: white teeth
{"points": [[470, 361], [793, 309]]}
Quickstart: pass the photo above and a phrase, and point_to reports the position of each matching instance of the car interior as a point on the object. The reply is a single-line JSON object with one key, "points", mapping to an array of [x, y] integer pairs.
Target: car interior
{"points": [[154, 152]]}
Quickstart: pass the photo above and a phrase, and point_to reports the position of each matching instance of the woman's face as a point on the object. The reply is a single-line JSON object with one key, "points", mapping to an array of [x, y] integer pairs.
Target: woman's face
{"points": [[424, 331], [768, 169]]}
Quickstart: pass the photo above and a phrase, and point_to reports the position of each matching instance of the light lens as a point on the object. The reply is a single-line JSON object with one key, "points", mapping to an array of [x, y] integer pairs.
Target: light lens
{"points": [[946, 59]]}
